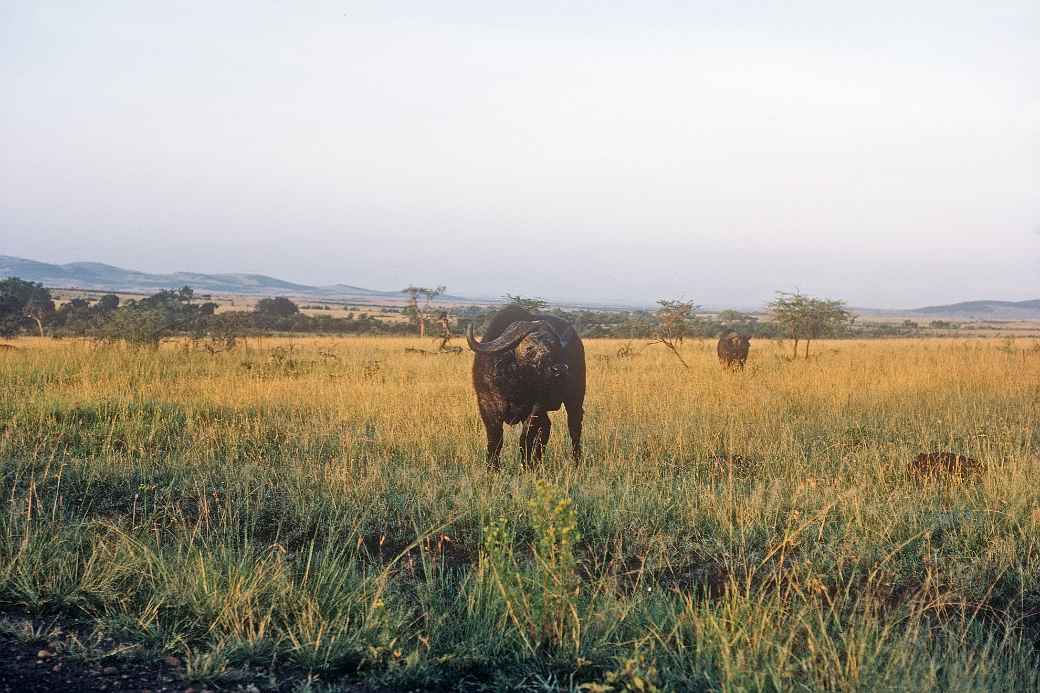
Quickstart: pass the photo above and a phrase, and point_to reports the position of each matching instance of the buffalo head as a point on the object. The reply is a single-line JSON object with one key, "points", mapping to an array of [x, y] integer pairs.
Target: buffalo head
{"points": [[538, 349], [740, 342]]}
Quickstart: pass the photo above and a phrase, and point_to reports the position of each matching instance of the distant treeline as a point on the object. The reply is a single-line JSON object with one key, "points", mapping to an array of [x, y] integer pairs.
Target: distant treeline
{"points": [[646, 324], [27, 307]]}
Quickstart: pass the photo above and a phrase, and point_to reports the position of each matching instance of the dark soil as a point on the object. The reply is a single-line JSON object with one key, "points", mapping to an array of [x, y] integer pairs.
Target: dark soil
{"points": [[31, 667], [48, 663]]}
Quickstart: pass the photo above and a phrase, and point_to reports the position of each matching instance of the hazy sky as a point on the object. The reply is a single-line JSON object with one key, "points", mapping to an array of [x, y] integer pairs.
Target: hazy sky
{"points": [[883, 152]]}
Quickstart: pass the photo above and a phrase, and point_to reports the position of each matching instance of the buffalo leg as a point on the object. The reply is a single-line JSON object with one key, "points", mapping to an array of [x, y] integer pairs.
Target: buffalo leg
{"points": [[525, 436], [493, 426], [540, 435], [534, 435], [575, 414]]}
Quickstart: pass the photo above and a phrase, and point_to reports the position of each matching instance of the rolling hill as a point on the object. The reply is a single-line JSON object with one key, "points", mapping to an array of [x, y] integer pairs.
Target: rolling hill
{"points": [[101, 277], [98, 276], [983, 310]]}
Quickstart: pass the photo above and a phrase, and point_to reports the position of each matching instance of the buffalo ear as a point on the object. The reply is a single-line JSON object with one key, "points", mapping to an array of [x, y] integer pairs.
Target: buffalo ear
{"points": [[564, 335]]}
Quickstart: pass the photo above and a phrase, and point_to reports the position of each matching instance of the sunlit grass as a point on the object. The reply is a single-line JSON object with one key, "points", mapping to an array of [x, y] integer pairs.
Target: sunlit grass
{"points": [[321, 506]]}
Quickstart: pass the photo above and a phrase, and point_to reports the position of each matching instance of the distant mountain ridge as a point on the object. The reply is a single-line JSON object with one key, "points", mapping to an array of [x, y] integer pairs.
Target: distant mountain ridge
{"points": [[98, 276], [982, 306], [985, 310], [101, 277]]}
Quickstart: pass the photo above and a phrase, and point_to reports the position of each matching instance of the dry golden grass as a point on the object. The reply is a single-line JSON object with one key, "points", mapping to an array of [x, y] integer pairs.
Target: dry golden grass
{"points": [[309, 465]]}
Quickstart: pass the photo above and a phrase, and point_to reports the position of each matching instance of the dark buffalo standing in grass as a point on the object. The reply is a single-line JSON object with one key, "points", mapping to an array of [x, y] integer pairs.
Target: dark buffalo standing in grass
{"points": [[733, 349], [525, 367]]}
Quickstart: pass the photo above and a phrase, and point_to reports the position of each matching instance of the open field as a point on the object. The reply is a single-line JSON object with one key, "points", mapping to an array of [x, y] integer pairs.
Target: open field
{"points": [[316, 512]]}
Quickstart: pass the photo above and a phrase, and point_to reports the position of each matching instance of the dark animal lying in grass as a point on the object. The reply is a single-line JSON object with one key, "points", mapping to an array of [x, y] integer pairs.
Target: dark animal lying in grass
{"points": [[733, 349], [937, 465], [525, 367]]}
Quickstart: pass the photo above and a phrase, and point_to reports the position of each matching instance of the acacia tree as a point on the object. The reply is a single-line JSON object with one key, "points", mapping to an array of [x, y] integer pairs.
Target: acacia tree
{"points": [[277, 307], [528, 303], [421, 314], [829, 317], [107, 303], [20, 301], [809, 318], [735, 317], [672, 325], [427, 309], [411, 309], [790, 311], [146, 322], [39, 307]]}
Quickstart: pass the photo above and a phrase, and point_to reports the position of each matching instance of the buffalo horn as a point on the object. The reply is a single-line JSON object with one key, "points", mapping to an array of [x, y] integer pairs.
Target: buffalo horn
{"points": [[507, 340]]}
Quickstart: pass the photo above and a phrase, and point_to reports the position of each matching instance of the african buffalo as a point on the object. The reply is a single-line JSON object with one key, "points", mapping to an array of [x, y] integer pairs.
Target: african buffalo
{"points": [[526, 366], [733, 349]]}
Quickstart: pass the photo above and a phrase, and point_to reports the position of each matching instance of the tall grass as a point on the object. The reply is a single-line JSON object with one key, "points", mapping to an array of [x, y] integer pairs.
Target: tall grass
{"points": [[320, 508]]}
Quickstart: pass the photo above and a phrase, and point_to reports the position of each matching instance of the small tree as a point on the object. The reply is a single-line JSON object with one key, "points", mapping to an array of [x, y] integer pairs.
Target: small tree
{"points": [[40, 307], [808, 318], [10, 314], [735, 317], [827, 317], [277, 307], [145, 323], [21, 301], [411, 309], [427, 312], [530, 304], [107, 303], [791, 311], [137, 325], [417, 314], [672, 324]]}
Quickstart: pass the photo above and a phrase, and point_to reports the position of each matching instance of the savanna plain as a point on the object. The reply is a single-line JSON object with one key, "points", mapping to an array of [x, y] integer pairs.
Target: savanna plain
{"points": [[316, 514]]}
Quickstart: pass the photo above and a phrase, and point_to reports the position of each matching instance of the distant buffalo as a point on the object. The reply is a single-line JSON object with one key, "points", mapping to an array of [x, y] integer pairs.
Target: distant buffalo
{"points": [[733, 349], [8, 347], [526, 366]]}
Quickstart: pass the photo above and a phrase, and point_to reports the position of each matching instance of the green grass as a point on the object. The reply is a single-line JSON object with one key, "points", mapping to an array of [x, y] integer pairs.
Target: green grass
{"points": [[332, 520]]}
